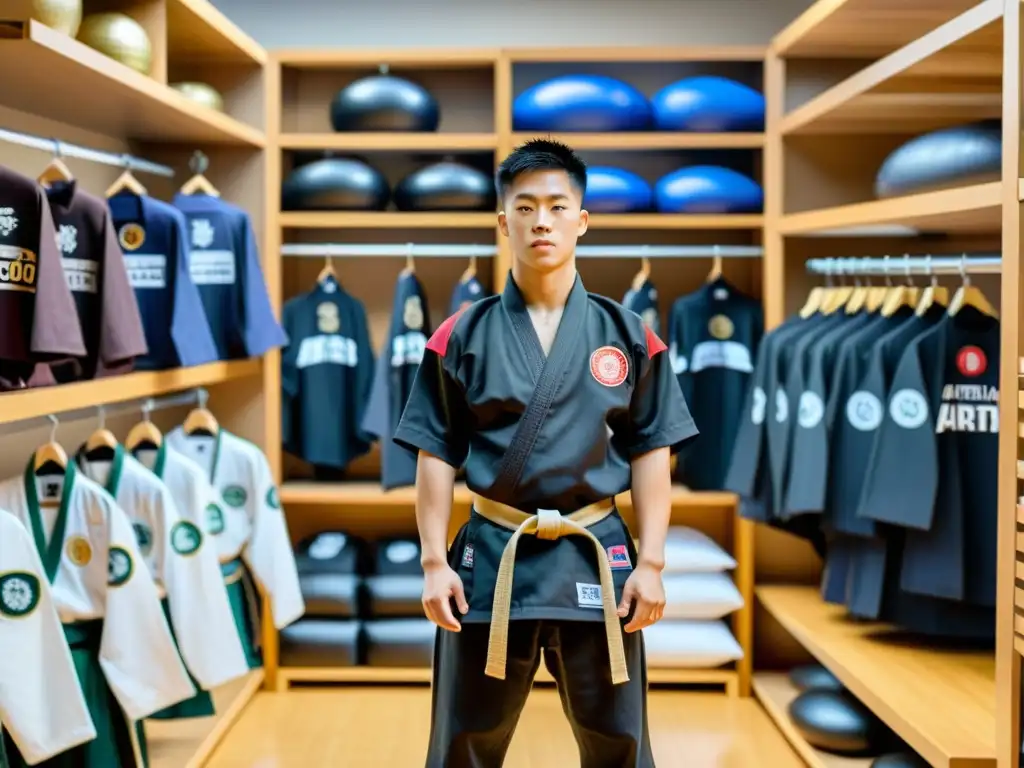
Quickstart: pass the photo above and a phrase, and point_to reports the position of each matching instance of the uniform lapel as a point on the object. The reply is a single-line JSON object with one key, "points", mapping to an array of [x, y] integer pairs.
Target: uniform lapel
{"points": [[568, 328], [50, 551]]}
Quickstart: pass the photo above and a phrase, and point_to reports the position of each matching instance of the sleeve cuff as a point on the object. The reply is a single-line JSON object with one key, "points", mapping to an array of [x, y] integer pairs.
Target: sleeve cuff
{"points": [[415, 440], [675, 437]]}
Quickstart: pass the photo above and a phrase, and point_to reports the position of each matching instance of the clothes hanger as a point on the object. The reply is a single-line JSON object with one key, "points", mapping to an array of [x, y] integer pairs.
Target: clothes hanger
{"points": [[716, 267], [199, 184], [126, 181], [839, 297], [905, 295], [933, 293], [643, 275], [199, 420], [470, 272], [819, 293], [968, 295], [877, 294], [859, 296], [56, 171], [144, 434], [327, 271], [51, 458], [101, 443], [410, 262]]}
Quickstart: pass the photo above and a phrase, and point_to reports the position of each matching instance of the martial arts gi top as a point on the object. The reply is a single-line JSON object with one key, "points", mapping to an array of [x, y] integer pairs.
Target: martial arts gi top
{"points": [[183, 563], [41, 702], [544, 433]]}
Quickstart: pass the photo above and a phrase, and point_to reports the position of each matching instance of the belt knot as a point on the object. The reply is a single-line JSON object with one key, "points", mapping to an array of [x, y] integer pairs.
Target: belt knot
{"points": [[550, 524]]}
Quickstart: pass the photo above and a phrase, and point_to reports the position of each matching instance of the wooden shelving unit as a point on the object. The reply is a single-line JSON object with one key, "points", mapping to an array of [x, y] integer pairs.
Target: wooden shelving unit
{"points": [[75, 94]]}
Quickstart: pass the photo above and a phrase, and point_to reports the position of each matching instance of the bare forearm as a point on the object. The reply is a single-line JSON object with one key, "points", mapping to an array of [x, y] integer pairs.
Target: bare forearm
{"points": [[652, 502], [435, 484]]}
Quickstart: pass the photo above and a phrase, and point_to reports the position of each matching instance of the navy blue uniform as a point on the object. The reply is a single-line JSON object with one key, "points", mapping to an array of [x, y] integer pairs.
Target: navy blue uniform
{"points": [[536, 431], [326, 373], [465, 293], [154, 238], [224, 263], [644, 301], [393, 379]]}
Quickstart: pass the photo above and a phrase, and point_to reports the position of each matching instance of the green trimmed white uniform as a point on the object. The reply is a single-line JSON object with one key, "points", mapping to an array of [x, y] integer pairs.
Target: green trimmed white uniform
{"points": [[41, 704]]}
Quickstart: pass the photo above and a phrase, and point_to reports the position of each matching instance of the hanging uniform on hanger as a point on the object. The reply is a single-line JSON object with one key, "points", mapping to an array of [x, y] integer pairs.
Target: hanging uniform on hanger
{"points": [[326, 375], [224, 262], [714, 334], [37, 312], [96, 275], [127, 664], [254, 538], [644, 301], [42, 710], [154, 238], [465, 293], [393, 379]]}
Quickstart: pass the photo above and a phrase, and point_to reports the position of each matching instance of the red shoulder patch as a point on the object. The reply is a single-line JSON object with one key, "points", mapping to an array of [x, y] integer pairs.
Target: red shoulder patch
{"points": [[439, 339], [654, 344]]}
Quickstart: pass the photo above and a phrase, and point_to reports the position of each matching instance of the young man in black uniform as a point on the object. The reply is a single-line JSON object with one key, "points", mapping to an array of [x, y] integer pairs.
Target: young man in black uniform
{"points": [[555, 400]]}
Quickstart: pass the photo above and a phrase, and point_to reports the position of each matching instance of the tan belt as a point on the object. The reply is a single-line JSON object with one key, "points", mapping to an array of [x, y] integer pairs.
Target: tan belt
{"points": [[548, 524]]}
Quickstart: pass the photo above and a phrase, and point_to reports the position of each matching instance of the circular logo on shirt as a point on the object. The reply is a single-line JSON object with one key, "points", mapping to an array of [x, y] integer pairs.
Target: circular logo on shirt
{"points": [[327, 320], [144, 537], [971, 361], [721, 327], [272, 499], [810, 411], [864, 411], [609, 366], [234, 495], [214, 519], [759, 406], [327, 546], [781, 406], [401, 552], [650, 317], [131, 237], [412, 313], [78, 550], [19, 594], [186, 539], [119, 567], [908, 408]]}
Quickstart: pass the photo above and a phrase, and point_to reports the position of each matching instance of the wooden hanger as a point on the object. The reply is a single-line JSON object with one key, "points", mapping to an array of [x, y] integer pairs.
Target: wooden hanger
{"points": [[144, 434], [200, 420], [470, 272], [56, 171], [126, 181], [933, 293], [51, 458], [818, 296], [199, 184], [327, 271], [101, 443], [716, 268], [858, 299], [905, 295], [410, 262], [968, 295], [838, 298], [643, 275]]}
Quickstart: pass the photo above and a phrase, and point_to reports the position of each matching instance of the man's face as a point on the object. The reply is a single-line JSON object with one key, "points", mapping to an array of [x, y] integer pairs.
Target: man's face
{"points": [[543, 218]]}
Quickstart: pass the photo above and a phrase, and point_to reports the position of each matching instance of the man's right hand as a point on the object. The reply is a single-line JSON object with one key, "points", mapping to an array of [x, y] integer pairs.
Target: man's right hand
{"points": [[440, 584]]}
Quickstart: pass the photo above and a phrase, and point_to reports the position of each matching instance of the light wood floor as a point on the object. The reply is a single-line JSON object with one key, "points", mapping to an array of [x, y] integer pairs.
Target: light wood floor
{"points": [[377, 727]]}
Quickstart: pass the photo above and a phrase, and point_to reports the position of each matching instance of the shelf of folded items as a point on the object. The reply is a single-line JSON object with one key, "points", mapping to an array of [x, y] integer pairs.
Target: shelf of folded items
{"points": [[893, 677], [951, 75], [62, 79], [190, 742], [40, 401]]}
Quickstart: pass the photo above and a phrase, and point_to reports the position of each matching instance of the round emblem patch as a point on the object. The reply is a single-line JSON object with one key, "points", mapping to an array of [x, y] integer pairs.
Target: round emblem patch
{"points": [[721, 327], [609, 366], [412, 313], [78, 550], [214, 519], [864, 411], [131, 237], [327, 320], [758, 406], [272, 500], [119, 567], [144, 537], [327, 545], [234, 495], [186, 538], [19, 594], [401, 552], [971, 361], [781, 405], [908, 408], [810, 410]]}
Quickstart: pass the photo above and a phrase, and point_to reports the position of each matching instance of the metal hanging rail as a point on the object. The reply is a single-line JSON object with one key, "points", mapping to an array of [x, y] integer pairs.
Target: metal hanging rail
{"points": [[145, 405], [456, 251], [63, 149], [980, 264]]}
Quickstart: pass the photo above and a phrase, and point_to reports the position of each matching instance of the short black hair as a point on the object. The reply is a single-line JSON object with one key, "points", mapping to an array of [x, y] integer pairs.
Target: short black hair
{"points": [[540, 155]]}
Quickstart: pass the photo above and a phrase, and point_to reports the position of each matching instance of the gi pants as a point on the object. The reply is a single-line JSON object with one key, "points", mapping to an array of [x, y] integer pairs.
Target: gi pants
{"points": [[473, 716]]}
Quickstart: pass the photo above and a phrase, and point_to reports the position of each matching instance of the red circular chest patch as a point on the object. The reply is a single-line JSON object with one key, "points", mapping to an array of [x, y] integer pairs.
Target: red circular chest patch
{"points": [[609, 366], [971, 361]]}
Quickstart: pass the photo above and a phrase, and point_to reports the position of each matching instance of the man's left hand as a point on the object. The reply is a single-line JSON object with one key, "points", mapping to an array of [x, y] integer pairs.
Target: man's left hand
{"points": [[643, 587]]}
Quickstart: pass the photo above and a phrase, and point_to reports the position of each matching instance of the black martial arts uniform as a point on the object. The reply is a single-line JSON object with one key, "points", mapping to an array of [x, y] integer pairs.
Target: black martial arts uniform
{"points": [[542, 433]]}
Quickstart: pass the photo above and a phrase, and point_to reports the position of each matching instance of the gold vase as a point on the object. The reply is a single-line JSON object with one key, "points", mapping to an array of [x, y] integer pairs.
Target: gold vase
{"points": [[62, 15], [120, 37]]}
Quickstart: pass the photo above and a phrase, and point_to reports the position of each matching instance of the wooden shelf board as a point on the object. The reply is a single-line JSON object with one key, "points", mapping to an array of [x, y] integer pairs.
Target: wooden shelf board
{"points": [[410, 142], [33, 403], [914, 89], [386, 220], [197, 31], [649, 140], [676, 221], [974, 208], [1020, 196], [893, 678], [639, 54], [61, 79], [406, 58], [838, 29], [361, 494], [775, 692], [190, 743]]}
